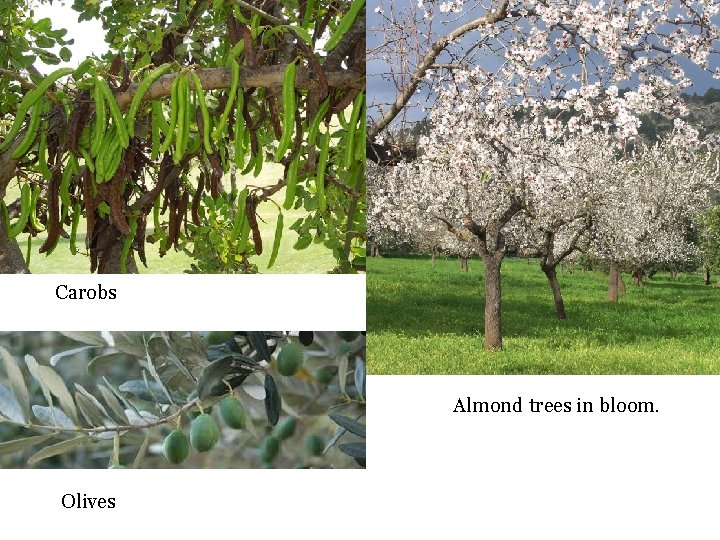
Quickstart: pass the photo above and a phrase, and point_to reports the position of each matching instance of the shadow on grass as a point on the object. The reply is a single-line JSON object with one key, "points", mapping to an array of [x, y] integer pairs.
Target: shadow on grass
{"points": [[409, 297]]}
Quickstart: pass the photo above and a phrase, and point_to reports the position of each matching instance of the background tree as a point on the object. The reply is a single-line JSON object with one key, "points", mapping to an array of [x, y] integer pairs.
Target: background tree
{"points": [[187, 94]]}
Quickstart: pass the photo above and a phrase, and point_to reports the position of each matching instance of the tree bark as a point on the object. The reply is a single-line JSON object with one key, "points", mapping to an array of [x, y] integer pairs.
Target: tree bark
{"points": [[12, 260], [613, 286], [109, 263], [638, 274], [493, 323], [433, 258], [706, 275], [621, 283], [551, 274]]}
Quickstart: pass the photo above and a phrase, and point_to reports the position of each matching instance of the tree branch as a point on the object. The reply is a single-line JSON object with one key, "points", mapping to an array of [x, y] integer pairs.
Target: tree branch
{"points": [[428, 60], [261, 77]]}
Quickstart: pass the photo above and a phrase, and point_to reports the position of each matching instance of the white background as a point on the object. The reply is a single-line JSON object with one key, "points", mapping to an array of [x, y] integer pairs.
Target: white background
{"points": [[435, 474], [187, 302]]}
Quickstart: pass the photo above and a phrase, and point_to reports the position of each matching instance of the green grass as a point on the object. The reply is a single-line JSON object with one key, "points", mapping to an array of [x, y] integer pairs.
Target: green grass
{"points": [[425, 320], [314, 259]]}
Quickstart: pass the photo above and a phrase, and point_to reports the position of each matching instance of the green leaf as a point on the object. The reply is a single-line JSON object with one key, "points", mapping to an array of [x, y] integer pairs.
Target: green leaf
{"points": [[113, 403], [91, 338], [17, 381], [141, 451], [55, 358], [212, 374], [104, 360], [148, 391], [259, 343], [304, 34], [59, 448], [10, 447], [53, 383], [342, 373], [65, 54], [273, 402], [304, 241], [9, 406], [348, 423], [155, 375], [34, 369], [90, 412], [52, 416], [360, 376], [95, 403], [355, 450]]}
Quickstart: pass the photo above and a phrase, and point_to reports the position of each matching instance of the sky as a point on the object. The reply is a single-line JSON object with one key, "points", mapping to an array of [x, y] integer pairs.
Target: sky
{"points": [[381, 91], [88, 35]]}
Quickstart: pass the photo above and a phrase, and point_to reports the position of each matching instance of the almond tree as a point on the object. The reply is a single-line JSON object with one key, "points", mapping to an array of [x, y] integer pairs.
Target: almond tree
{"points": [[573, 54], [663, 188]]}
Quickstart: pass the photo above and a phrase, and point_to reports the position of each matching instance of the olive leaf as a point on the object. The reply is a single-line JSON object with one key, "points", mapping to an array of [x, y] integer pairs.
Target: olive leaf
{"points": [[10, 447], [360, 376], [104, 360], [258, 341], [147, 391], [55, 358], [33, 367], [354, 450], [91, 338], [58, 448], [273, 402], [348, 423], [17, 381], [212, 375], [113, 403], [151, 368], [55, 384], [142, 450], [9, 406], [52, 416]]}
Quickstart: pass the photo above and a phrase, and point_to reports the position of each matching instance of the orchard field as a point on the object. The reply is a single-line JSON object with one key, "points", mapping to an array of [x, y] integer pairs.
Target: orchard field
{"points": [[430, 320]]}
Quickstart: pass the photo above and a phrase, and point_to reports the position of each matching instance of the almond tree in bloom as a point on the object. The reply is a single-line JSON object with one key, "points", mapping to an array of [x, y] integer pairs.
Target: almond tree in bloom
{"points": [[477, 172], [566, 200], [663, 189], [568, 54]]}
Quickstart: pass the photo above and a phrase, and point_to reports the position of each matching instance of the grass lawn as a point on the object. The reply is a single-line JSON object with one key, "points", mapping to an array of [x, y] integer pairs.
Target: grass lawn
{"points": [[425, 320], [314, 259]]}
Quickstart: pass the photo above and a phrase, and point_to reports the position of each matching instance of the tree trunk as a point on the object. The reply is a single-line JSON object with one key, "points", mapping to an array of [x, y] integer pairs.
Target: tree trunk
{"points": [[613, 286], [109, 263], [638, 274], [464, 264], [706, 275], [673, 274], [433, 258], [493, 327], [12, 260], [621, 283], [557, 295]]}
